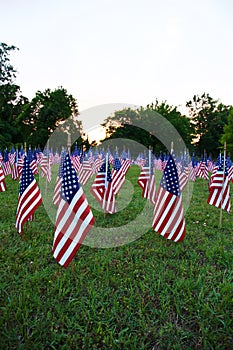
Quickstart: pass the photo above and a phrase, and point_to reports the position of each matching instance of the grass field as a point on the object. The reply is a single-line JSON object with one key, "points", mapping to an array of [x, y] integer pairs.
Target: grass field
{"points": [[149, 294]]}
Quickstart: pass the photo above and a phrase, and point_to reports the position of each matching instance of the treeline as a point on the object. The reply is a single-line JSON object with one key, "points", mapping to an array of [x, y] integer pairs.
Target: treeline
{"points": [[207, 126]]}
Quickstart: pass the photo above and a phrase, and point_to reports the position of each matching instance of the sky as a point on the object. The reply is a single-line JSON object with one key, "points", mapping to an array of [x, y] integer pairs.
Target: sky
{"points": [[124, 51]]}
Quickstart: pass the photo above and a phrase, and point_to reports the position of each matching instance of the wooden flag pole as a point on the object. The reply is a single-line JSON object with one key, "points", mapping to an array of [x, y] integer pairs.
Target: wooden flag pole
{"points": [[223, 180]]}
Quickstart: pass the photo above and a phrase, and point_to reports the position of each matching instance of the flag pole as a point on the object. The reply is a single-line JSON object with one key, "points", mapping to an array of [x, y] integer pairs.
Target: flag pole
{"points": [[223, 180], [150, 160], [105, 184]]}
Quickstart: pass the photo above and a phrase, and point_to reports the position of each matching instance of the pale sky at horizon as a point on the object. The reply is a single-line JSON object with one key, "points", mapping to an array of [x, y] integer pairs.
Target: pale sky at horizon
{"points": [[122, 51]]}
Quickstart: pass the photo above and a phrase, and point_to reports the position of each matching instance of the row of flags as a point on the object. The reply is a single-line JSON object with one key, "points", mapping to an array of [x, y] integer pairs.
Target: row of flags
{"points": [[74, 217]]}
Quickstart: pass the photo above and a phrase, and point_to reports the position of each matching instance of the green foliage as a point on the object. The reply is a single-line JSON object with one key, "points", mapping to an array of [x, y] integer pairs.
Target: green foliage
{"points": [[44, 113], [11, 100], [7, 71], [131, 124], [228, 133], [149, 294], [209, 117]]}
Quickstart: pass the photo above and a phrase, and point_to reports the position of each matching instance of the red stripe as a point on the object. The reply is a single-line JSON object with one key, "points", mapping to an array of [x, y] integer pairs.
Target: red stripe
{"points": [[23, 207]]}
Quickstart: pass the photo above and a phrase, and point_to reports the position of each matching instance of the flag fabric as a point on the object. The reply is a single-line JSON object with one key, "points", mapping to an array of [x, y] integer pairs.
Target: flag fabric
{"points": [[85, 171], [230, 173], [74, 217], [120, 168], [11, 156], [219, 188], [6, 164], [202, 170], [168, 218], [45, 166], [146, 181], [75, 159], [2, 180], [58, 184], [32, 161], [20, 164], [15, 171], [230, 168], [98, 160], [184, 172], [29, 197], [102, 189], [192, 168], [118, 177]]}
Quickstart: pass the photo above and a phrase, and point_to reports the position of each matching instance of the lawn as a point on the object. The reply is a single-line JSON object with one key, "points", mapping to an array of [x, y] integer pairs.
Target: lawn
{"points": [[148, 294]]}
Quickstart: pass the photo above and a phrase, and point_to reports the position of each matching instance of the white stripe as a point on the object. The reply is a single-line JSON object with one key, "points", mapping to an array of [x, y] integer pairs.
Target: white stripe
{"points": [[69, 210], [76, 240], [165, 214], [179, 220], [27, 200], [181, 232], [21, 218], [170, 221], [213, 196]]}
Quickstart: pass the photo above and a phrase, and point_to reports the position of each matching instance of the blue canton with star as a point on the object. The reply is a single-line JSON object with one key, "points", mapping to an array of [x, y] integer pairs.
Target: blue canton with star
{"points": [[70, 184], [27, 176], [117, 164], [60, 169], [170, 179]]}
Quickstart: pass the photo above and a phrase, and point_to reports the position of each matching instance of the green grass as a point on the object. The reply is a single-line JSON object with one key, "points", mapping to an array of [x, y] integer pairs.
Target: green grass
{"points": [[149, 294]]}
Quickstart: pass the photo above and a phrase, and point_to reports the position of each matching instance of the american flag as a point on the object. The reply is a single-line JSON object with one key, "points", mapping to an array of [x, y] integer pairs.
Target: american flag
{"points": [[1, 157], [230, 168], [202, 170], [118, 177], [75, 159], [57, 189], [74, 217], [102, 189], [15, 171], [184, 172], [120, 168], [168, 212], [32, 161], [230, 173], [11, 156], [140, 161], [85, 171], [20, 164], [98, 160], [220, 188], [146, 180], [29, 197], [6, 164], [2, 180], [192, 169], [45, 165]]}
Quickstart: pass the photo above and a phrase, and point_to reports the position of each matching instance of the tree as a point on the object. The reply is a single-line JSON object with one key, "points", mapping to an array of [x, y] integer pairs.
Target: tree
{"points": [[11, 100], [147, 126], [46, 112], [228, 133], [208, 118], [7, 71]]}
